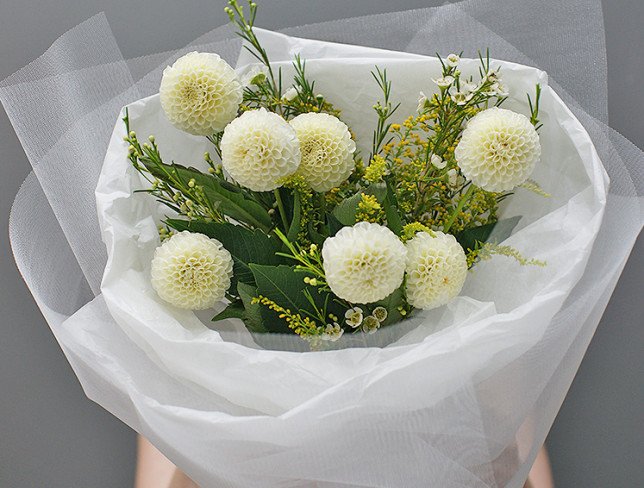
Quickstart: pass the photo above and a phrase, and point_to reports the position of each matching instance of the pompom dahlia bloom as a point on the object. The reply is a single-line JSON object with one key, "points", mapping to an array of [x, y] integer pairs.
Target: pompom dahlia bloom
{"points": [[327, 150], [364, 263], [191, 271], [200, 93], [436, 269], [258, 149], [498, 150]]}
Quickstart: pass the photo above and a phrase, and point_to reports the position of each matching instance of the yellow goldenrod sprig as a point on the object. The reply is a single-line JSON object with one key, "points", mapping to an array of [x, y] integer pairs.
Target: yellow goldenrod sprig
{"points": [[488, 249], [302, 326], [369, 209], [534, 187]]}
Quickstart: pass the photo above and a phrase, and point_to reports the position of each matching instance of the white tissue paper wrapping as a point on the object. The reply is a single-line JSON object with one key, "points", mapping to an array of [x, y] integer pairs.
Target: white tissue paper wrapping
{"points": [[505, 306], [463, 396]]}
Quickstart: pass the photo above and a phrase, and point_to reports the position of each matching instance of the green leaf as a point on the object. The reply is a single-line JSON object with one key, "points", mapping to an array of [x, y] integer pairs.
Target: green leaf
{"points": [[222, 195], [283, 285], [390, 204], [296, 222], [334, 224], [316, 237], [241, 274], [345, 211], [234, 310], [252, 311], [248, 246], [245, 245], [497, 231], [235, 205]]}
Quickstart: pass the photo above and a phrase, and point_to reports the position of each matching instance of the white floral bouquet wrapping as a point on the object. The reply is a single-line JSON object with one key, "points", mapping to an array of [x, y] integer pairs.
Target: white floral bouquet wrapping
{"points": [[461, 387]]}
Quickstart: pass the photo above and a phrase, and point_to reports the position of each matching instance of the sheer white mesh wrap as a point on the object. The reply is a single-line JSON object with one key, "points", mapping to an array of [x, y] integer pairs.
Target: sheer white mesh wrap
{"points": [[467, 405]]}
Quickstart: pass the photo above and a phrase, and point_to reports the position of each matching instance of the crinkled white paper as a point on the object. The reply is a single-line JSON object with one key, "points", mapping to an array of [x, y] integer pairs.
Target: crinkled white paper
{"points": [[464, 399]]}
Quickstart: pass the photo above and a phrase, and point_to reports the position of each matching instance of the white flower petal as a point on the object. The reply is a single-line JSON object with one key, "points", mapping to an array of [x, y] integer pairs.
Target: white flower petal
{"points": [[469, 87], [290, 94], [253, 75], [422, 102], [444, 82], [437, 161]]}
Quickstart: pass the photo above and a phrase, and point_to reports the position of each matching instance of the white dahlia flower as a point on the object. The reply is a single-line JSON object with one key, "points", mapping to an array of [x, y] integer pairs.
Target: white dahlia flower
{"points": [[258, 149], [436, 269], [498, 150], [191, 271], [364, 263], [327, 150], [200, 93]]}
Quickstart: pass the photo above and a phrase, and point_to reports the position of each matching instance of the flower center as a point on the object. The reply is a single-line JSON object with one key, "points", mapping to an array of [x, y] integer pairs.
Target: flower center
{"points": [[313, 151], [192, 275], [193, 93]]}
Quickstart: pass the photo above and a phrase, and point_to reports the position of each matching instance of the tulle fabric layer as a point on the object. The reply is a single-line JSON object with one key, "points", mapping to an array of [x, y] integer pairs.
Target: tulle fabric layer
{"points": [[410, 414]]}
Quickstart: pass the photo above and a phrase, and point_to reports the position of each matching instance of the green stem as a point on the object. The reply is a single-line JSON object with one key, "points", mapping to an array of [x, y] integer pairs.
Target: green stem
{"points": [[464, 198], [280, 208]]}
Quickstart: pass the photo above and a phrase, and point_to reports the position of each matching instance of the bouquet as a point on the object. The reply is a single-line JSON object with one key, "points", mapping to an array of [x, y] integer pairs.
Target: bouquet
{"points": [[402, 284], [302, 233]]}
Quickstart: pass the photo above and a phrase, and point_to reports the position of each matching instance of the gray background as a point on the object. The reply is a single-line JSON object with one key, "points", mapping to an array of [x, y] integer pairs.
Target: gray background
{"points": [[51, 435]]}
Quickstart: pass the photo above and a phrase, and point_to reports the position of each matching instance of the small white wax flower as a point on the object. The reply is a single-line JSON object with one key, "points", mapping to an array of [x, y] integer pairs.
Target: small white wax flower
{"points": [[492, 75], [436, 269], [258, 149], [254, 75], [444, 82], [437, 161], [493, 90], [332, 332], [370, 324], [290, 94], [327, 150], [422, 102], [380, 313], [469, 87], [200, 93], [461, 98], [453, 178], [452, 60], [502, 90], [498, 150], [364, 263], [353, 317], [191, 271]]}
